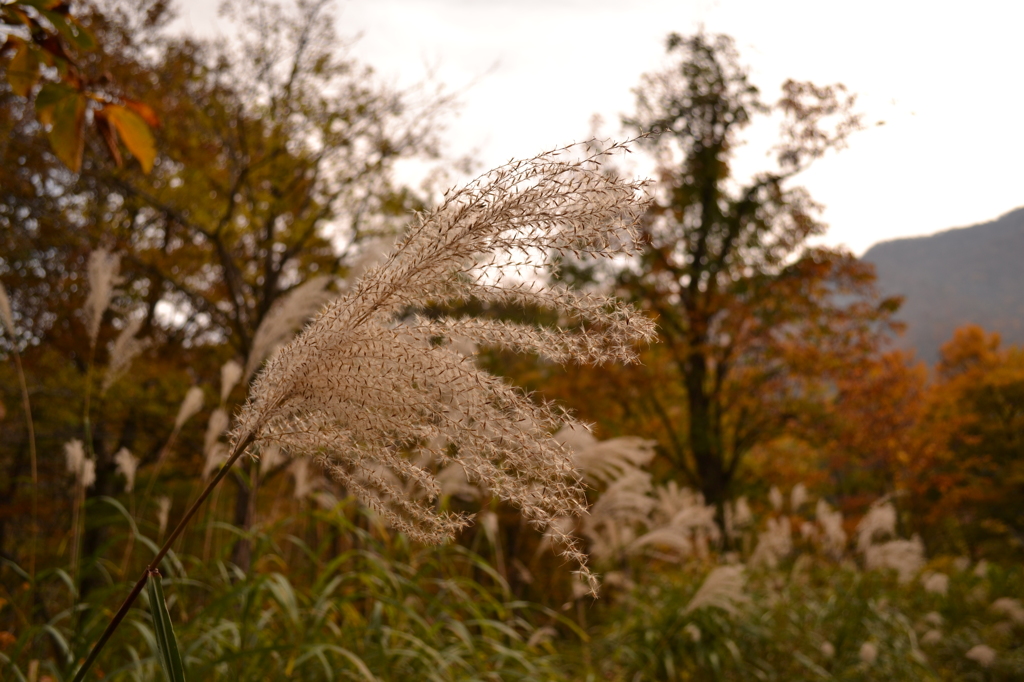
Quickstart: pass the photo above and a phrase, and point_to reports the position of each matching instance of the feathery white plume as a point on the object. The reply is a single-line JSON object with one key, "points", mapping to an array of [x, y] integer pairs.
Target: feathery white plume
{"points": [[103, 268], [982, 654], [127, 465], [604, 461], [453, 482], [868, 653], [123, 351], [937, 583], [230, 373], [834, 538], [78, 464], [304, 483], [288, 313], [906, 557], [215, 428], [797, 497], [163, 513], [190, 405], [879, 522], [775, 497], [213, 457], [774, 543], [357, 390], [270, 457], [88, 473], [74, 455], [1009, 607], [6, 315], [722, 589], [737, 515]]}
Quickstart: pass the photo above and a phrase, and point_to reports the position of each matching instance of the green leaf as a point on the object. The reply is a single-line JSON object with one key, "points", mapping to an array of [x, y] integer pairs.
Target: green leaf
{"points": [[166, 644], [49, 96], [23, 71], [134, 132], [72, 31], [62, 108]]}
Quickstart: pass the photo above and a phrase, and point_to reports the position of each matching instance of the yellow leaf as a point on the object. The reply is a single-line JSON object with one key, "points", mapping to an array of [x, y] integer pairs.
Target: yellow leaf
{"points": [[62, 109], [23, 71], [134, 132], [67, 136]]}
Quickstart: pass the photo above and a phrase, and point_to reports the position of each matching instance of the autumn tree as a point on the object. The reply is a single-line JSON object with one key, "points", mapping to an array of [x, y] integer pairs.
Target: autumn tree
{"points": [[275, 164], [751, 317], [866, 432], [966, 487], [48, 46]]}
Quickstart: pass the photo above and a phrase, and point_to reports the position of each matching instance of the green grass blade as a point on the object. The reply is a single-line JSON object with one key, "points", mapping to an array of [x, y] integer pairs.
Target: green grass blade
{"points": [[167, 646]]}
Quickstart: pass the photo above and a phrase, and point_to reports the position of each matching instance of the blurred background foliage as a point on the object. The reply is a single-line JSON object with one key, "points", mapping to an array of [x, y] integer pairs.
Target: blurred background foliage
{"points": [[271, 163]]}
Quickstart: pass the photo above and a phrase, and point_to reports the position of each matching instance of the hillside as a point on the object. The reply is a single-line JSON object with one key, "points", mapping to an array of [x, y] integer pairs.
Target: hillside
{"points": [[964, 275]]}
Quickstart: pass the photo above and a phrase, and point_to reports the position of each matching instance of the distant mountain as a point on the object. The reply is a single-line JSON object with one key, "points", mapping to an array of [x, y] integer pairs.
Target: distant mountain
{"points": [[965, 275]]}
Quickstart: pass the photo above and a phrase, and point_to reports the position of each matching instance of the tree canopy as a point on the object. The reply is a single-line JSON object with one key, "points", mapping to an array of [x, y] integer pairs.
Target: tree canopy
{"points": [[752, 319]]}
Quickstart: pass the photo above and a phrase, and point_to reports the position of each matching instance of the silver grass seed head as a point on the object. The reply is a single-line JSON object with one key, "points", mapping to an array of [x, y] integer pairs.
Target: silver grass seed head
{"points": [[230, 373], [215, 428], [190, 405], [74, 457], [723, 588], [127, 465], [982, 654], [6, 315], [1009, 607], [287, 314], [163, 513], [103, 277], [797, 497], [358, 392], [868, 653], [271, 457], [123, 351], [78, 464]]}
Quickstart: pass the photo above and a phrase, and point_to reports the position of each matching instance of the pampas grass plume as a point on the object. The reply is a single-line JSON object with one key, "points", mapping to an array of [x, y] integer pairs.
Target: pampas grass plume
{"points": [[723, 588], [103, 276], [127, 465], [288, 313], [190, 405], [868, 653], [230, 373], [1009, 607], [123, 351], [6, 315], [366, 381], [982, 654], [163, 513], [797, 497], [83, 468]]}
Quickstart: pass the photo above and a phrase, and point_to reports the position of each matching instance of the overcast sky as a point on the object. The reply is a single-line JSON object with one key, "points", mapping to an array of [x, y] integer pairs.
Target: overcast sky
{"points": [[947, 79]]}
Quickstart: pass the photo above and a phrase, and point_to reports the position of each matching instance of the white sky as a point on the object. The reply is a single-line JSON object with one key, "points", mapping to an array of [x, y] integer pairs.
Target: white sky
{"points": [[947, 78]]}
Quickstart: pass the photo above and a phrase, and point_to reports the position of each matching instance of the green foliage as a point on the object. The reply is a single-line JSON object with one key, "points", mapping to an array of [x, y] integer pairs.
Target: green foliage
{"points": [[45, 33], [166, 645], [809, 621], [381, 610]]}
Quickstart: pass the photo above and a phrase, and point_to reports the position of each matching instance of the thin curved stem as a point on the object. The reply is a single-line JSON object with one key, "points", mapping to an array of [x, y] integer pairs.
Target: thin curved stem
{"points": [[32, 462], [237, 452]]}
